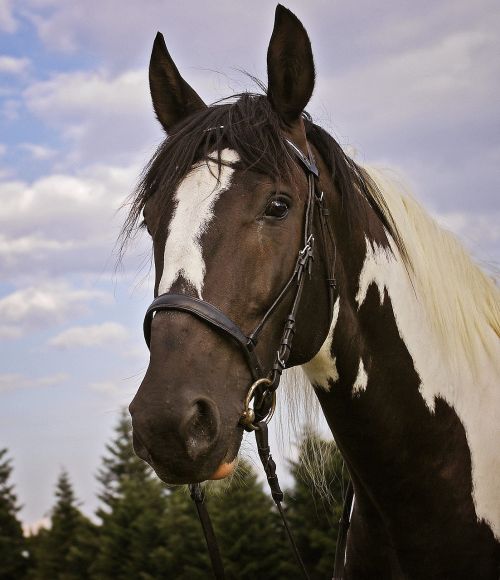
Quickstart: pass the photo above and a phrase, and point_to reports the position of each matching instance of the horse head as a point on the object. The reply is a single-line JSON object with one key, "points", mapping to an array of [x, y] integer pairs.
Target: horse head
{"points": [[225, 202]]}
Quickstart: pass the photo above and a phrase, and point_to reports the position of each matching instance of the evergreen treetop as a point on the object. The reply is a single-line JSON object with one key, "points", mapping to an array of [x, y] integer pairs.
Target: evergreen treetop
{"points": [[13, 553], [120, 464], [314, 503], [65, 551]]}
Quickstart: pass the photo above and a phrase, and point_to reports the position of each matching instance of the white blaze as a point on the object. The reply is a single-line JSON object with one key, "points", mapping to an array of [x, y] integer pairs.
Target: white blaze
{"points": [[194, 203]]}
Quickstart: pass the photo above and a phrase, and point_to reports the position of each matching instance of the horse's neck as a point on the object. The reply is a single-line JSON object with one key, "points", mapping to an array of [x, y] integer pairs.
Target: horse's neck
{"points": [[406, 415]]}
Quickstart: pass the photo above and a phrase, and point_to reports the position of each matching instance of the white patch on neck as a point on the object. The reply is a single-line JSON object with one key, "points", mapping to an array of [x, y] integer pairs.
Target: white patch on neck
{"points": [[475, 397], [195, 199], [322, 369], [361, 379]]}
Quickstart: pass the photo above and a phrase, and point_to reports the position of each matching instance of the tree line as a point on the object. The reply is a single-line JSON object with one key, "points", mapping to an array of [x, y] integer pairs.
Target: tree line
{"points": [[144, 530]]}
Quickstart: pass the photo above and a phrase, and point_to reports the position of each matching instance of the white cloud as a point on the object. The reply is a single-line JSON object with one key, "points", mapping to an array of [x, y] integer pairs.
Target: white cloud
{"points": [[7, 20], [79, 93], [10, 109], [107, 334], [43, 306], [479, 232], [15, 381], [39, 524], [107, 387], [39, 152], [448, 78], [62, 223], [122, 390], [99, 116], [66, 27], [13, 65]]}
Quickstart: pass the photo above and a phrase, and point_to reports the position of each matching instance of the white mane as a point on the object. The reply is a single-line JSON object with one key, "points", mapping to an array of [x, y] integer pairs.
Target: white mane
{"points": [[462, 302], [448, 314]]}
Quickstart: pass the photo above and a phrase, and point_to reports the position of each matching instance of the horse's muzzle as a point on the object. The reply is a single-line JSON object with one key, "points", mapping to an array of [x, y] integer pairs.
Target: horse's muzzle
{"points": [[180, 443]]}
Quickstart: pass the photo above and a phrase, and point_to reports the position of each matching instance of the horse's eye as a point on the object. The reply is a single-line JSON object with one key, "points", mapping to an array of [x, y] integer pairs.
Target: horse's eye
{"points": [[277, 208]]}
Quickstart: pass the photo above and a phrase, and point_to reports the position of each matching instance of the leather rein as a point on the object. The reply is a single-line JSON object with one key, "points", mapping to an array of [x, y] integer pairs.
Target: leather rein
{"points": [[260, 401]]}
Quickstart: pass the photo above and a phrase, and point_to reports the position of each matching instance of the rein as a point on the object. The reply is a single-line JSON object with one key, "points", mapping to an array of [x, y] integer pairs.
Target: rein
{"points": [[260, 401]]}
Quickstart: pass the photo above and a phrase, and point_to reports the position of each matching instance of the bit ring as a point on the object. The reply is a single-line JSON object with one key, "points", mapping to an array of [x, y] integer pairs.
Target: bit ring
{"points": [[248, 417]]}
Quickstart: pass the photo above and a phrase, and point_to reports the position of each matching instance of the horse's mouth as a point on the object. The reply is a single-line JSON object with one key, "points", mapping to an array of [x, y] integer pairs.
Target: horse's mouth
{"points": [[225, 469]]}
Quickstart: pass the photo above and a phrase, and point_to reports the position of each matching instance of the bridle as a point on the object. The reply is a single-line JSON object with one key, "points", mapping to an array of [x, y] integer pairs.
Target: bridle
{"points": [[260, 400], [264, 386]]}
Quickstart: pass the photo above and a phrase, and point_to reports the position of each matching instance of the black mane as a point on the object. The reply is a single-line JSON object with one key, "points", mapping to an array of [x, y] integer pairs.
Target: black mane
{"points": [[248, 124]]}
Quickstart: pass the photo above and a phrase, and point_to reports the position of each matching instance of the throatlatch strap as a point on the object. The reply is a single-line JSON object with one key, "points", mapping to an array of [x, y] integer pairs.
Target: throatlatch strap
{"points": [[198, 497]]}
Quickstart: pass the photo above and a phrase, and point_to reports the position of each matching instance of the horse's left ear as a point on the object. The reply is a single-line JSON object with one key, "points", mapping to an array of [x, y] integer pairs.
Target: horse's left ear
{"points": [[173, 98], [290, 66]]}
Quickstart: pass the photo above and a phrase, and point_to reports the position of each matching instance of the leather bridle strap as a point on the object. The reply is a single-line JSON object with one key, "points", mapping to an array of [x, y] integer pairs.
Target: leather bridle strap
{"points": [[198, 496], [261, 437]]}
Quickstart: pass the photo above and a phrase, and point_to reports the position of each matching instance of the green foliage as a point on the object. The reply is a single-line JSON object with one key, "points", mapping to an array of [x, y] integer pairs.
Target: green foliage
{"points": [[149, 532], [120, 465], [186, 552], [250, 531], [65, 551], [13, 546], [314, 513], [132, 542]]}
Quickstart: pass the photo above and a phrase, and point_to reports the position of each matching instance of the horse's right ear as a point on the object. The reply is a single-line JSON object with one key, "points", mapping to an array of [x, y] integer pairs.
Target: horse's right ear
{"points": [[173, 98]]}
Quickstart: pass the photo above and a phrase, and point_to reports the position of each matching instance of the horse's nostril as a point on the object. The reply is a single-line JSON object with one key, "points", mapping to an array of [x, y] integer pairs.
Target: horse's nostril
{"points": [[200, 430]]}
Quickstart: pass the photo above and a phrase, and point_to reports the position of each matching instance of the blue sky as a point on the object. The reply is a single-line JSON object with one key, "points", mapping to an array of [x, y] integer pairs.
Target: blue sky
{"points": [[404, 85]]}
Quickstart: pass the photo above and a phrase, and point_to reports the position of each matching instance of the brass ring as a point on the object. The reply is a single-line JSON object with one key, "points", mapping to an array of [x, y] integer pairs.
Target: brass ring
{"points": [[248, 416]]}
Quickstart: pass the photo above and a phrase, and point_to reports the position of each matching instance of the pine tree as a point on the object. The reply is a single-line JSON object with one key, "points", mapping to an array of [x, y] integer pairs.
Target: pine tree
{"points": [[66, 550], [314, 510], [186, 556], [249, 530], [132, 543], [13, 552], [121, 464]]}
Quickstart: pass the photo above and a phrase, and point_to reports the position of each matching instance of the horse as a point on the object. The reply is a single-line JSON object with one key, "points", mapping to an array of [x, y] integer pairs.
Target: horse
{"points": [[396, 328]]}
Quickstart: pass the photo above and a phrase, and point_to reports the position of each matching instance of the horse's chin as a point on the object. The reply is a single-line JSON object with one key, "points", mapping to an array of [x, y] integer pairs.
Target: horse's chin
{"points": [[224, 470]]}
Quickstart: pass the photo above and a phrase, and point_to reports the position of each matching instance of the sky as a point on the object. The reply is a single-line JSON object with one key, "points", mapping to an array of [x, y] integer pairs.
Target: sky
{"points": [[405, 85]]}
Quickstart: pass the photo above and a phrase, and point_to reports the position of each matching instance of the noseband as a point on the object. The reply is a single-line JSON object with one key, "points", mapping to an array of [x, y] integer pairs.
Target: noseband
{"points": [[263, 389]]}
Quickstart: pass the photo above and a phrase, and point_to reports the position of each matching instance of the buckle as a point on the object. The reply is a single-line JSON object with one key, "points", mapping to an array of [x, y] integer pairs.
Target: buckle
{"points": [[308, 248]]}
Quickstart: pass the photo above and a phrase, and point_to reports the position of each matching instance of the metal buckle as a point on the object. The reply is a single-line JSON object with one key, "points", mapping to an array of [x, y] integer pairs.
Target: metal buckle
{"points": [[248, 417], [308, 246]]}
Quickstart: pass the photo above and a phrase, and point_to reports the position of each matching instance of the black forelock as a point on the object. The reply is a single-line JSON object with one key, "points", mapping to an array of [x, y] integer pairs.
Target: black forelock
{"points": [[247, 124]]}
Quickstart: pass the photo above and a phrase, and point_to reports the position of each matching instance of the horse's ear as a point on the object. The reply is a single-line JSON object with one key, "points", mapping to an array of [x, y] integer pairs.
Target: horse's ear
{"points": [[173, 98], [290, 66]]}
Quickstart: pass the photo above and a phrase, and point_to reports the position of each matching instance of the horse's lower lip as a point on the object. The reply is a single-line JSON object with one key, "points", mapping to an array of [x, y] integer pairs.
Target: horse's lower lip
{"points": [[224, 470]]}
